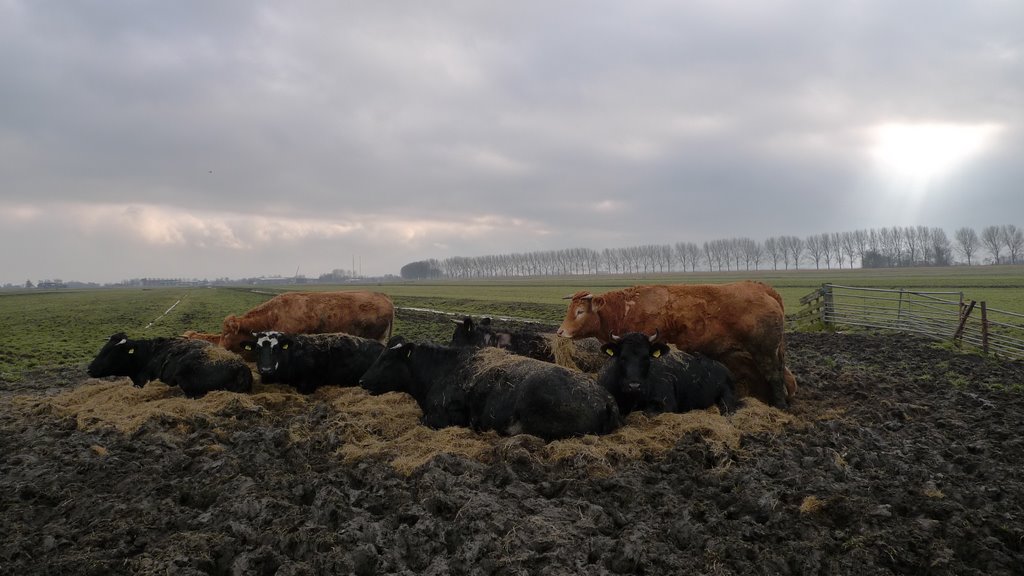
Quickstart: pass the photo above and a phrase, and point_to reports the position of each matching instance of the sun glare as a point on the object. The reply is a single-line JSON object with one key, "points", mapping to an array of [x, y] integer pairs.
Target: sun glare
{"points": [[920, 154]]}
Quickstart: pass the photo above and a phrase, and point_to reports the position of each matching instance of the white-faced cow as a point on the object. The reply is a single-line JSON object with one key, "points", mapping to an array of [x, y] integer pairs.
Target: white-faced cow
{"points": [[644, 374], [739, 324], [195, 366], [489, 389], [307, 361], [363, 314]]}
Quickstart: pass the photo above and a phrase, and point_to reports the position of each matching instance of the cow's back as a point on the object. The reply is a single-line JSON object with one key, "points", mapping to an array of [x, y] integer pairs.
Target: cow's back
{"points": [[364, 314]]}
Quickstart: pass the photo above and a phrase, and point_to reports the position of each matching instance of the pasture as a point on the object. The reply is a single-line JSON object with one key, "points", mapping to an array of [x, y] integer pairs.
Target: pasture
{"points": [[899, 455], [55, 329]]}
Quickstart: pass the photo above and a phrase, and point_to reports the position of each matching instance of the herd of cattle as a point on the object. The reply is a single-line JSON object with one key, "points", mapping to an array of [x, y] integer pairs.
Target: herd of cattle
{"points": [[655, 349]]}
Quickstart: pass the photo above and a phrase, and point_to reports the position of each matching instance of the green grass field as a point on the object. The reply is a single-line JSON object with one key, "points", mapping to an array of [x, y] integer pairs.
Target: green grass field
{"points": [[53, 329]]}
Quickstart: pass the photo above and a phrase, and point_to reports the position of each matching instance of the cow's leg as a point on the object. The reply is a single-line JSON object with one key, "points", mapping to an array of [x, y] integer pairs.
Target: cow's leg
{"points": [[774, 373]]}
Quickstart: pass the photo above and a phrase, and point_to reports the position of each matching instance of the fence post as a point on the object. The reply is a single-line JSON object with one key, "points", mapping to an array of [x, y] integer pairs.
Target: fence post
{"points": [[828, 308], [964, 315], [984, 327]]}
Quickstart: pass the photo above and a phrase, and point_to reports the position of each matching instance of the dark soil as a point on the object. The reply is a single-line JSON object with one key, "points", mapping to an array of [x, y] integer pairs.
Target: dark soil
{"points": [[906, 460]]}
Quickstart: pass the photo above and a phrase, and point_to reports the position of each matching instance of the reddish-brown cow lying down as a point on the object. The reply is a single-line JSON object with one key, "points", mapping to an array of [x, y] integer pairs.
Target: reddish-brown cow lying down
{"points": [[739, 324], [193, 335], [363, 314]]}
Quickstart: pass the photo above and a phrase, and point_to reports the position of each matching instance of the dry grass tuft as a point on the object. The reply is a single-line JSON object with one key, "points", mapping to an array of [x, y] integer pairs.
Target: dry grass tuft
{"points": [[811, 505]]}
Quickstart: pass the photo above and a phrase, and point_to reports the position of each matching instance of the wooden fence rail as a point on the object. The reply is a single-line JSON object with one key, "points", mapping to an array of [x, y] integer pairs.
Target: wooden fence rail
{"points": [[939, 315]]}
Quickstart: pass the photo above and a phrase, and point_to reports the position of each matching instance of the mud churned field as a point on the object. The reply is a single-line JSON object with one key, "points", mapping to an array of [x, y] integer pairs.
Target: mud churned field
{"points": [[898, 457]]}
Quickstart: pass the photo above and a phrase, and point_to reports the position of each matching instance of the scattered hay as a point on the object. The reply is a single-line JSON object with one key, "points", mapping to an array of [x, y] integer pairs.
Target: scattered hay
{"points": [[387, 427], [101, 404], [583, 355]]}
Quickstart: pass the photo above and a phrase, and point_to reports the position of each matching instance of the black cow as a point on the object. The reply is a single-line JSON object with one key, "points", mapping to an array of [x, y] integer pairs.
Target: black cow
{"points": [[307, 361], [647, 375], [196, 366], [584, 355], [486, 389]]}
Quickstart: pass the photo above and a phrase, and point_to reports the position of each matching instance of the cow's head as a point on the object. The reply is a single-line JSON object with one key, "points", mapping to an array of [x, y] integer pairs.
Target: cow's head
{"points": [[392, 371], [233, 334], [582, 319], [271, 350], [468, 334], [631, 357], [116, 358]]}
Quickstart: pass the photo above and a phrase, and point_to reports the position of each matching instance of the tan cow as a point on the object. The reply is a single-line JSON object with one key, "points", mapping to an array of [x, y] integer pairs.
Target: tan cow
{"points": [[365, 314], [739, 324]]}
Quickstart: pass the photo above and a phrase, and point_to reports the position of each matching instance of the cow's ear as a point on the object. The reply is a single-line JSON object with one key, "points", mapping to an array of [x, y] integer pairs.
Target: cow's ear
{"points": [[407, 348], [658, 349], [608, 349], [596, 303]]}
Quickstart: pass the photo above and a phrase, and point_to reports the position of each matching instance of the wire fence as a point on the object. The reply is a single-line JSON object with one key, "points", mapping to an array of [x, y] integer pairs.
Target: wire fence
{"points": [[939, 315]]}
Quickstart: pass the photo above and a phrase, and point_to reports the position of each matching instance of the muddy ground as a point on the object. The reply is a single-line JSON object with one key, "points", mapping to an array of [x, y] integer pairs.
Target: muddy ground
{"points": [[898, 457]]}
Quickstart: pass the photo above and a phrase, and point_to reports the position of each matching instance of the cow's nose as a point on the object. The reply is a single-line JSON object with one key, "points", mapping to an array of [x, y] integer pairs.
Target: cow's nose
{"points": [[633, 385]]}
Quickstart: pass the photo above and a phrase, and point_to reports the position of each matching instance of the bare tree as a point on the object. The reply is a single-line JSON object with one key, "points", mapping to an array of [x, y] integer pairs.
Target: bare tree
{"points": [[814, 249], [1013, 238], [795, 249], [860, 239], [992, 238], [912, 242], [848, 241], [967, 242], [772, 249], [939, 251]]}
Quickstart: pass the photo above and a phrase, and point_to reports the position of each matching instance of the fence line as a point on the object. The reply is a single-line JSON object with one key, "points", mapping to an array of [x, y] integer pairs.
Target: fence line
{"points": [[939, 315]]}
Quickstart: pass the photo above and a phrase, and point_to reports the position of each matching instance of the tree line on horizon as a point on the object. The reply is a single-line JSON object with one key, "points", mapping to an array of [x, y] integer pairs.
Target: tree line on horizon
{"points": [[887, 247]]}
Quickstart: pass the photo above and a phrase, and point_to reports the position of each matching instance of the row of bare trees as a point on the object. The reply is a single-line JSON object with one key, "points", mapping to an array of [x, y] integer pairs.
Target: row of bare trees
{"points": [[870, 248]]}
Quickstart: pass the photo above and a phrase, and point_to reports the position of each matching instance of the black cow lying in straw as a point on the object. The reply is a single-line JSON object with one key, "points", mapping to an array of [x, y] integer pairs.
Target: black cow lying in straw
{"points": [[584, 355], [307, 361], [646, 375], [196, 366], [489, 389]]}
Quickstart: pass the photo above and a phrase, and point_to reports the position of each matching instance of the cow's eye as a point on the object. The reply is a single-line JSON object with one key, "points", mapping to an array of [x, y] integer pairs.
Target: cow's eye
{"points": [[656, 353], [579, 312]]}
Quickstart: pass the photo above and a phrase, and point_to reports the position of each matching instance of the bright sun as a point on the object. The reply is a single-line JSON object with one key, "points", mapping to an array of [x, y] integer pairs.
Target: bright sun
{"points": [[919, 154]]}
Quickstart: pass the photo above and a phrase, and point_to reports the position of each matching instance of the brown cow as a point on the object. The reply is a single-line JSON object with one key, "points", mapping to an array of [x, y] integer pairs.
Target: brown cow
{"points": [[193, 335], [364, 314], [739, 324]]}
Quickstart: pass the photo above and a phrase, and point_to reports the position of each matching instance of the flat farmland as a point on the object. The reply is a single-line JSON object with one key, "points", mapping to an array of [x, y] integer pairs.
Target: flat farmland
{"points": [[897, 456], [62, 328]]}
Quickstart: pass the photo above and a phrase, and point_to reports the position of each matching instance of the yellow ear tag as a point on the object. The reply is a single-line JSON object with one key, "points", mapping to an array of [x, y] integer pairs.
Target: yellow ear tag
{"points": [[656, 353], [247, 347], [284, 347], [610, 352], [131, 350]]}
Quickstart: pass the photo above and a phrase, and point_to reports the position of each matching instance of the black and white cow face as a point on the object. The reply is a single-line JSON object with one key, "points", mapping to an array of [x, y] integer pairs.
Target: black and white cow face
{"points": [[392, 371], [116, 358], [632, 355], [270, 349]]}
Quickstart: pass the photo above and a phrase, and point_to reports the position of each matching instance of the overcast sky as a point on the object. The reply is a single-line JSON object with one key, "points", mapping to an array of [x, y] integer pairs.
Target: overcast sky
{"points": [[209, 139]]}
